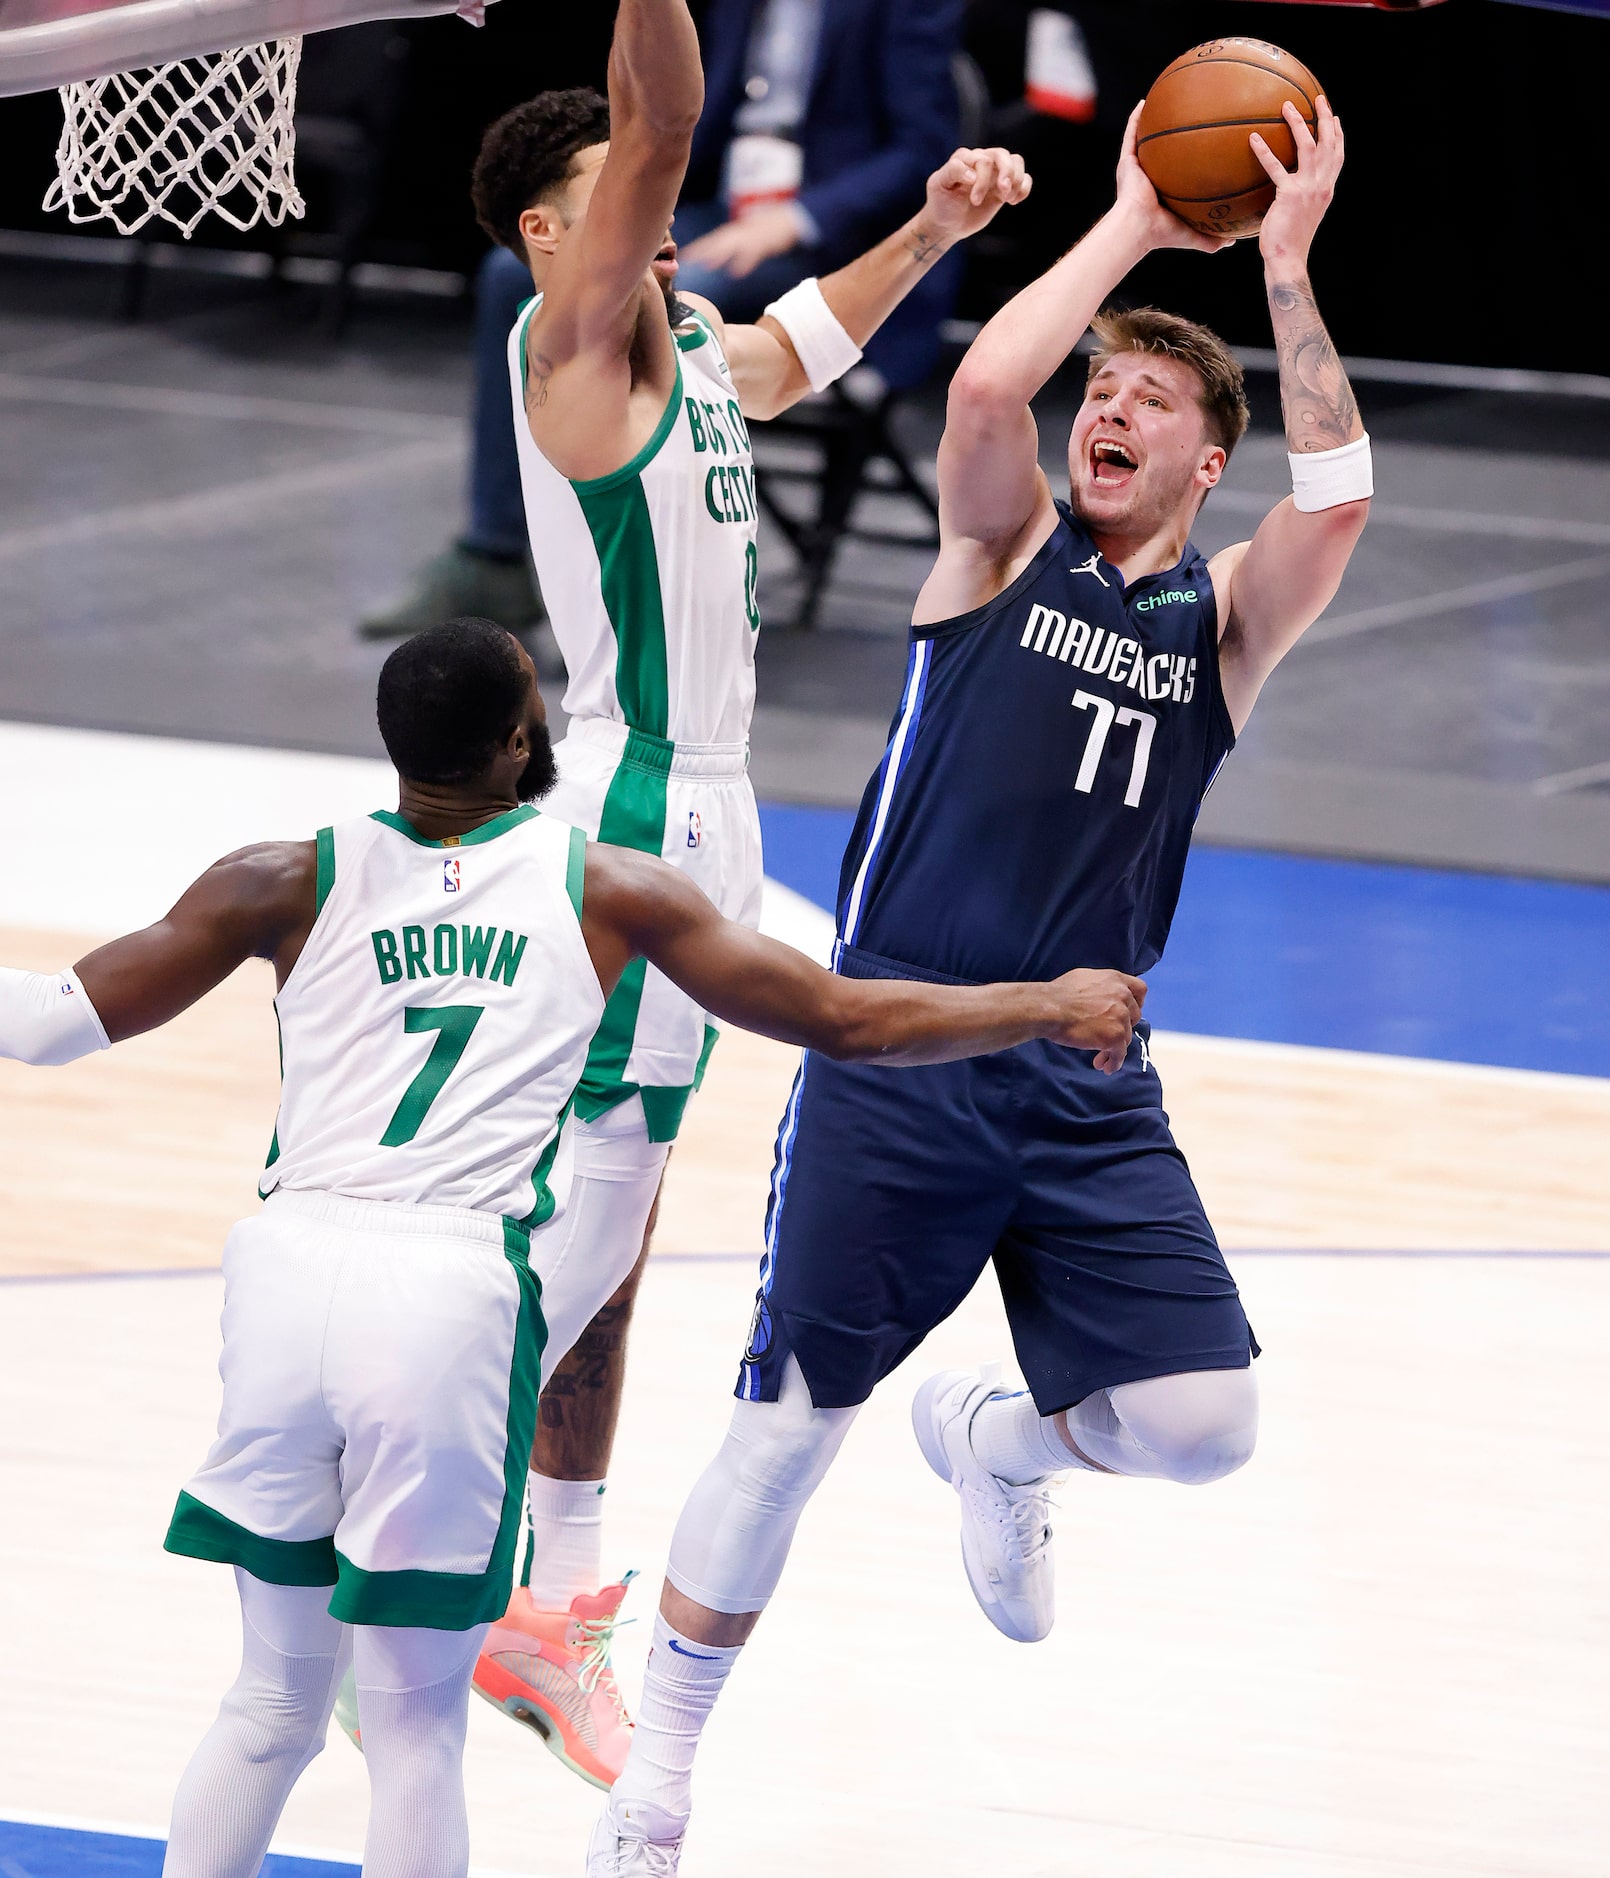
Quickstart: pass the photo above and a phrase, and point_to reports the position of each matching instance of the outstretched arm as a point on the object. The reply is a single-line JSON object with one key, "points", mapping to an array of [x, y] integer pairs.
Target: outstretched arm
{"points": [[1282, 580], [964, 195], [634, 904], [656, 88], [259, 903], [994, 502]]}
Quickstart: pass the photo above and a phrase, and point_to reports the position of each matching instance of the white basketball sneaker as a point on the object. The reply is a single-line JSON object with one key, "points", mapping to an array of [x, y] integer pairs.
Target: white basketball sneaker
{"points": [[635, 1840], [1006, 1530]]}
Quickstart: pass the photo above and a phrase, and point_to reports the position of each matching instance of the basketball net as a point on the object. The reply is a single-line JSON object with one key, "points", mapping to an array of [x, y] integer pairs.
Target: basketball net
{"points": [[213, 135]]}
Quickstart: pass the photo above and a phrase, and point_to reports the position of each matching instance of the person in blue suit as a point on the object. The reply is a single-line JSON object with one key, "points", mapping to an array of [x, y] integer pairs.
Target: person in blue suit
{"points": [[858, 91], [822, 122]]}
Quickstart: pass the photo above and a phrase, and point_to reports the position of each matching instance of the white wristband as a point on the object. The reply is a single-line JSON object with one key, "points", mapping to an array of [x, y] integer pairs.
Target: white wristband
{"points": [[1327, 478], [825, 349], [47, 1018]]}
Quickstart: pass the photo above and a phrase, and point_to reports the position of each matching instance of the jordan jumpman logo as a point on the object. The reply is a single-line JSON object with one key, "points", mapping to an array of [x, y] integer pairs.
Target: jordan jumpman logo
{"points": [[1090, 567]]}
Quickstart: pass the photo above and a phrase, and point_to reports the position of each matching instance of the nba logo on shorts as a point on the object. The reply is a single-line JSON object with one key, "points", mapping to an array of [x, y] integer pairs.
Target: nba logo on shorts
{"points": [[695, 829], [452, 879]]}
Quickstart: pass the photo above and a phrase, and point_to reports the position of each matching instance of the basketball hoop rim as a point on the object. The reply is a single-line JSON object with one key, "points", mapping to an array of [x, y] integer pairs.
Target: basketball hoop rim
{"points": [[154, 32]]}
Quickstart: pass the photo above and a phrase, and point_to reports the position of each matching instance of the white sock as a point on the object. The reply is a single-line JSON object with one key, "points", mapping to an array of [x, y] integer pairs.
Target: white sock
{"points": [[567, 1539], [1016, 1443], [680, 1687]]}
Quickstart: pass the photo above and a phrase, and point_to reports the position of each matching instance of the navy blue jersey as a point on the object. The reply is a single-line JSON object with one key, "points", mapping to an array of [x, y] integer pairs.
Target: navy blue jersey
{"points": [[1034, 808]]}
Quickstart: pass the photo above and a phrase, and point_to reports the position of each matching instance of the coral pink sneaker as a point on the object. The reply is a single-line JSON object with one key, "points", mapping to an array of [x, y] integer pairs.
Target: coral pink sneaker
{"points": [[551, 1670]]}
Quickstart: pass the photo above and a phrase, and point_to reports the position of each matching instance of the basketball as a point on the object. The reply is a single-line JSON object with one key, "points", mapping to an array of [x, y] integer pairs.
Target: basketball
{"points": [[1196, 123]]}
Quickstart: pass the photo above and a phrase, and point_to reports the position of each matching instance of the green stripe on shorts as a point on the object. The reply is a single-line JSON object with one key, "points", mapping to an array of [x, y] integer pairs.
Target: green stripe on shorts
{"points": [[196, 1531], [426, 1600], [633, 816]]}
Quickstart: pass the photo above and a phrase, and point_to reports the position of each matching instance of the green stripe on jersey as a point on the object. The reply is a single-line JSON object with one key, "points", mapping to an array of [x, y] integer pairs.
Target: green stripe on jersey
{"points": [[615, 508], [472, 838], [576, 869], [324, 846]]}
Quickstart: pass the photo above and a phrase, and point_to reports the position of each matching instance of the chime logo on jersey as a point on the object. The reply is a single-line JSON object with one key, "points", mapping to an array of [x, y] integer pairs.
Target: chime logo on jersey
{"points": [[695, 829], [452, 876]]}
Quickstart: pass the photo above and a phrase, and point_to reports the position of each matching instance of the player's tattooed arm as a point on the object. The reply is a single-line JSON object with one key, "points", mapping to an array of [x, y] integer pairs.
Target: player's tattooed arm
{"points": [[1320, 410], [259, 903], [1318, 402]]}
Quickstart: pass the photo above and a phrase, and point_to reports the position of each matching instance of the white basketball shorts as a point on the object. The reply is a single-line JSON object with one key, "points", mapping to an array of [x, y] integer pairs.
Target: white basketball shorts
{"points": [[693, 806], [381, 1366]]}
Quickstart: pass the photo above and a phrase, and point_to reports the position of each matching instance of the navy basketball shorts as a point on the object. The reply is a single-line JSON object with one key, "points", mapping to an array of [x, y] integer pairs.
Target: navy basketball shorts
{"points": [[894, 1188]]}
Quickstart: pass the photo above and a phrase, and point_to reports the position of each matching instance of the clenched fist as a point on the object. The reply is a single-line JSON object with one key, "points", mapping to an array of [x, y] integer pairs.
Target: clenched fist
{"points": [[1099, 1011]]}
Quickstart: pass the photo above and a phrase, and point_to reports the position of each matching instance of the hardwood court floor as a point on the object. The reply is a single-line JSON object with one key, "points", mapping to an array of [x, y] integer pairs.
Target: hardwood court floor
{"points": [[1380, 1650], [139, 1159]]}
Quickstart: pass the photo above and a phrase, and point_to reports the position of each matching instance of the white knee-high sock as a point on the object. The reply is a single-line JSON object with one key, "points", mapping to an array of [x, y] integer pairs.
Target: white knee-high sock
{"points": [[270, 1725], [680, 1687], [567, 1539], [413, 1704], [1016, 1442]]}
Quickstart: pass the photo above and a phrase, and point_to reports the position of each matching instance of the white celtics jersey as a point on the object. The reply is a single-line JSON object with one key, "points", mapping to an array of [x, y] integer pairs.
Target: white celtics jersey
{"points": [[649, 574], [434, 1029]]}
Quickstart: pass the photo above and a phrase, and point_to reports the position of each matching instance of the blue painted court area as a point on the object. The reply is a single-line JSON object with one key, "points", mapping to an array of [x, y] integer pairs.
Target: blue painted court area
{"points": [[1282, 948], [64, 1852]]}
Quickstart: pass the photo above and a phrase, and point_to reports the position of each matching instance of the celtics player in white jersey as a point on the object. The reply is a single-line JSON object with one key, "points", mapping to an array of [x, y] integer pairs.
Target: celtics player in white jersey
{"points": [[632, 412], [442, 970]]}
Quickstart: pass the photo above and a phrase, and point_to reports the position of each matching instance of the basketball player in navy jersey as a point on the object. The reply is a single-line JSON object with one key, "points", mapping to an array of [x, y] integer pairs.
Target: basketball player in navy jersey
{"points": [[1078, 673]]}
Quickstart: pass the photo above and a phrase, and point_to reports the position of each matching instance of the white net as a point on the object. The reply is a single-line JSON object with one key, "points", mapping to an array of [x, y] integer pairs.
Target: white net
{"points": [[213, 135]]}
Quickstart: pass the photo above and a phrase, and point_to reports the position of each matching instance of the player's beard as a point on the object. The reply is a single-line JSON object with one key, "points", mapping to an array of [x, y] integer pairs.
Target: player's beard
{"points": [[678, 312], [541, 772]]}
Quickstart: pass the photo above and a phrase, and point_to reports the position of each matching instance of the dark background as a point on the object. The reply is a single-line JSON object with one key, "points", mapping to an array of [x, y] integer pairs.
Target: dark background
{"points": [[1476, 177]]}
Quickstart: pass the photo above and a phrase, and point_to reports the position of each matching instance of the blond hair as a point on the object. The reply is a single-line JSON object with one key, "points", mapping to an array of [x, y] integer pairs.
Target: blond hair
{"points": [[1223, 393]]}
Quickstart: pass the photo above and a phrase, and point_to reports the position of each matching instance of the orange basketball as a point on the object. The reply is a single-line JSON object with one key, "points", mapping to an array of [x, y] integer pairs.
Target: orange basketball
{"points": [[1196, 121]]}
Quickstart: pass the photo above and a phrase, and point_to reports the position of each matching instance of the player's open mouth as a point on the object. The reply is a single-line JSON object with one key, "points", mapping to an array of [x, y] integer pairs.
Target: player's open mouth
{"points": [[1111, 465], [665, 262]]}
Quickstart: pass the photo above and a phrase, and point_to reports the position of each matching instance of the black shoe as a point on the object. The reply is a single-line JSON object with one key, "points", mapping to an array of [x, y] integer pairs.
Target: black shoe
{"points": [[460, 584]]}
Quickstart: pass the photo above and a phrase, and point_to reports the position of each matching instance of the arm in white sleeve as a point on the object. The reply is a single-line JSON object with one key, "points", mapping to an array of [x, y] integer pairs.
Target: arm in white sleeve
{"points": [[46, 1018]]}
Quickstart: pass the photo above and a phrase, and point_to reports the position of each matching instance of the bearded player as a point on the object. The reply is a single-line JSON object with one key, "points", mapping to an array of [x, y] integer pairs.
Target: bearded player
{"points": [[631, 413], [1078, 673]]}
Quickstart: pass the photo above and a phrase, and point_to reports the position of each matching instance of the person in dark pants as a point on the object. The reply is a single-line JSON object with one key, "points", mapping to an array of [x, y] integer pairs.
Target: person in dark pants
{"points": [[822, 121]]}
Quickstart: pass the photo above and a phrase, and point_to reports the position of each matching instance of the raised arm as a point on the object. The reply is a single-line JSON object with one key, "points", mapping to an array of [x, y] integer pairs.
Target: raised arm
{"points": [[1280, 582], [259, 903], [656, 87], [994, 502], [964, 195], [633, 904]]}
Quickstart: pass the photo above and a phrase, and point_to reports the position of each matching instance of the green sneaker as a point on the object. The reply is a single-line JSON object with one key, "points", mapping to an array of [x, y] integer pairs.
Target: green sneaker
{"points": [[459, 584]]}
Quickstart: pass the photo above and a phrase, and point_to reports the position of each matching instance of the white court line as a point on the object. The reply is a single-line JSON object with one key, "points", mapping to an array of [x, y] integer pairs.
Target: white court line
{"points": [[228, 407], [1454, 600], [212, 508], [1570, 779], [108, 872], [72, 1822]]}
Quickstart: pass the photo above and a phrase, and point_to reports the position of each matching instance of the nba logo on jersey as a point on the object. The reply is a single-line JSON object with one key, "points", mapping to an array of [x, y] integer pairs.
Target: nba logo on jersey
{"points": [[452, 878], [695, 829]]}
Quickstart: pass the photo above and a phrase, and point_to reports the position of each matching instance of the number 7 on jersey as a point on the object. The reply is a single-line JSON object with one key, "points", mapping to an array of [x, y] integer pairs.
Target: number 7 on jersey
{"points": [[454, 1025]]}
